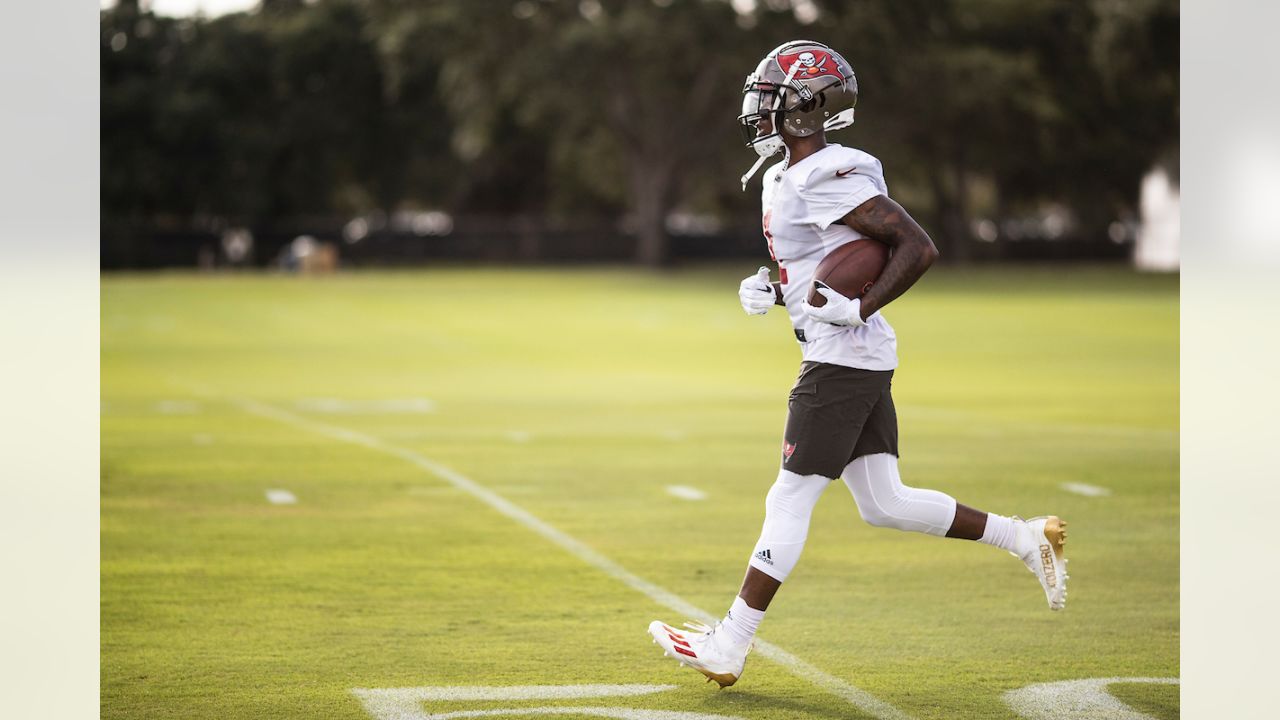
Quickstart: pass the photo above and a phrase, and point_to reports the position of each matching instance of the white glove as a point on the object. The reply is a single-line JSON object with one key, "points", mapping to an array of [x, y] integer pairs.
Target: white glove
{"points": [[756, 294], [839, 309]]}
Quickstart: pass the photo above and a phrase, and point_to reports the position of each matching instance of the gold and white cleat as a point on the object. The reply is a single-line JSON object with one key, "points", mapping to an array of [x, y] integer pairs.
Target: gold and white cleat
{"points": [[1040, 547], [703, 650]]}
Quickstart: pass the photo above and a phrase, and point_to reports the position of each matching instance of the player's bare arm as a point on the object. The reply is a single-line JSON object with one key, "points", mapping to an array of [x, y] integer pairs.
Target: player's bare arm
{"points": [[880, 218]]}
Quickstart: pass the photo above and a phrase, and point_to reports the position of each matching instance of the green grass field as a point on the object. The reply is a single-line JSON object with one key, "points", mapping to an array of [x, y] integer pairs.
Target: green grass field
{"points": [[580, 396]]}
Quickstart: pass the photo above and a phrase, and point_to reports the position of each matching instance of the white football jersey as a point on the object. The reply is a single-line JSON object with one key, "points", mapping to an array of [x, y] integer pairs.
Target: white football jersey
{"points": [[801, 204]]}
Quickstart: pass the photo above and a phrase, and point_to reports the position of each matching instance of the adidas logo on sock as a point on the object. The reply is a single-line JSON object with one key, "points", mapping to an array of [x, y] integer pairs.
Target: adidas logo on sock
{"points": [[765, 556]]}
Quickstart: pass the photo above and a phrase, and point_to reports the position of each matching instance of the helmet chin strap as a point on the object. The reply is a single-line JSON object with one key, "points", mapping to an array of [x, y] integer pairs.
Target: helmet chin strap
{"points": [[773, 113], [753, 170], [766, 147]]}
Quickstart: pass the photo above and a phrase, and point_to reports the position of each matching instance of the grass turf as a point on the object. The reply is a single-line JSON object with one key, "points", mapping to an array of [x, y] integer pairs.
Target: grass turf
{"points": [[580, 395]]}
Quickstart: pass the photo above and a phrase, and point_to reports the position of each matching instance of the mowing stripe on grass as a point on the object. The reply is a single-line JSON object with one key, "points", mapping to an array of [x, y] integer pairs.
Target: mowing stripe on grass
{"points": [[857, 697], [977, 419]]}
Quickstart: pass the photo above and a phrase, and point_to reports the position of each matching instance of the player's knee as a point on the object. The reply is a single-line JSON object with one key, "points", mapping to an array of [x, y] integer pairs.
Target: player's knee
{"points": [[871, 516], [794, 495], [877, 516], [888, 506], [788, 507]]}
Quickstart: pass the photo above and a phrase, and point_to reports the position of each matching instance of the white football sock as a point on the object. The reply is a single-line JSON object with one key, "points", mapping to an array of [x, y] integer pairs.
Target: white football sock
{"points": [[787, 509], [741, 622], [884, 501], [1000, 532]]}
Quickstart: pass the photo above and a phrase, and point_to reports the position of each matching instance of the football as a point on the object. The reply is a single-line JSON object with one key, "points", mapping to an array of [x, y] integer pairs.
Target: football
{"points": [[850, 269]]}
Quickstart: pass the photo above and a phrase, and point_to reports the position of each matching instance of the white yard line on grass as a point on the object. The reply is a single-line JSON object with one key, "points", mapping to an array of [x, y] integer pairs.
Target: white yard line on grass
{"points": [[275, 496], [684, 492], [1077, 699], [406, 703], [1085, 490], [390, 406], [177, 407], [857, 697], [453, 693]]}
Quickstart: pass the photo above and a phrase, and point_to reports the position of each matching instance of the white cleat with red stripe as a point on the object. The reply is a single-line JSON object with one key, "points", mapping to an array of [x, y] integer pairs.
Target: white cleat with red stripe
{"points": [[703, 649]]}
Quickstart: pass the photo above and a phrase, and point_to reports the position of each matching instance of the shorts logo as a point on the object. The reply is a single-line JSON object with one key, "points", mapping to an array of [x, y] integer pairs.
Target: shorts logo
{"points": [[765, 556], [788, 449]]}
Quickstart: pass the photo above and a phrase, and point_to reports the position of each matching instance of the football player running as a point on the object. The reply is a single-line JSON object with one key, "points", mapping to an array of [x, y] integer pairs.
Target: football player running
{"points": [[840, 417]]}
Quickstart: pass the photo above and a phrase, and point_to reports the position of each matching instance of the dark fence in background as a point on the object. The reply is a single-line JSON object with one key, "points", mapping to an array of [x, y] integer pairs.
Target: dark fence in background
{"points": [[495, 241]]}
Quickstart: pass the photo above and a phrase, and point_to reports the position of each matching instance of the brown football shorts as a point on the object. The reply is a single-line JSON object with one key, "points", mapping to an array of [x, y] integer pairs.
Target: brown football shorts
{"points": [[836, 414]]}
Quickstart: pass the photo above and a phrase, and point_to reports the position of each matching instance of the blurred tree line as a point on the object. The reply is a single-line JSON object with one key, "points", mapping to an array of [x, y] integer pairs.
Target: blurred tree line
{"points": [[623, 109]]}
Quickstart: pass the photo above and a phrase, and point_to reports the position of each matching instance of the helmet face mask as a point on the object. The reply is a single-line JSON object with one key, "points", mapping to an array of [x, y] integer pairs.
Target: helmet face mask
{"points": [[758, 105]]}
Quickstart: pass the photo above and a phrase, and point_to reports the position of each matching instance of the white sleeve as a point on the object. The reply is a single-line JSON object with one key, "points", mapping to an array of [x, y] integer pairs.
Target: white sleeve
{"points": [[831, 198]]}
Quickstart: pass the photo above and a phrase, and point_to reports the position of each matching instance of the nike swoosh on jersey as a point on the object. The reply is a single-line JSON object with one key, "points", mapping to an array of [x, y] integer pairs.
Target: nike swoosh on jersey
{"points": [[842, 173]]}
